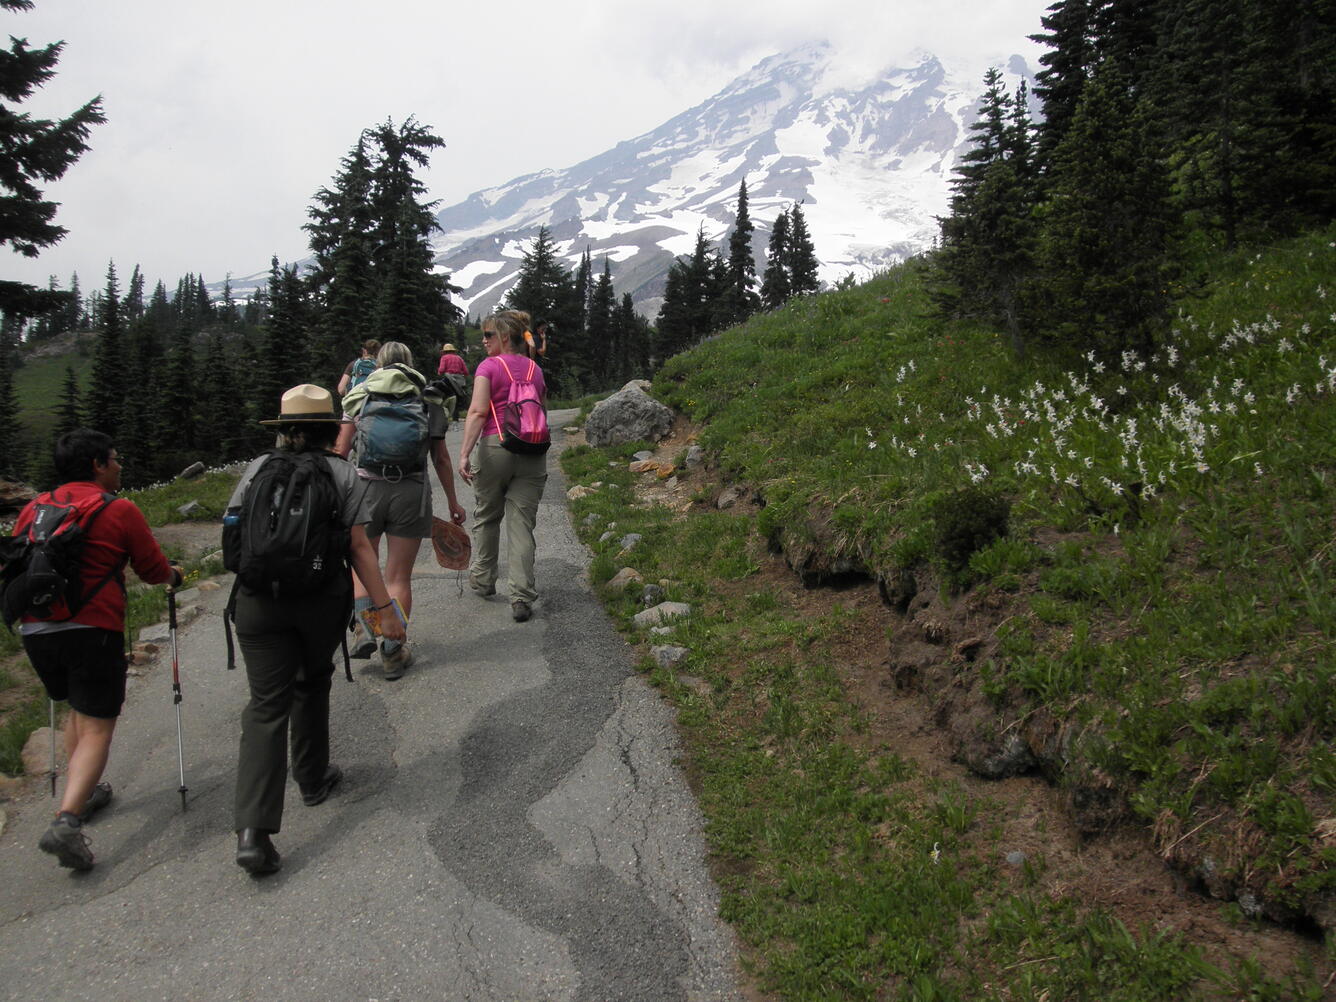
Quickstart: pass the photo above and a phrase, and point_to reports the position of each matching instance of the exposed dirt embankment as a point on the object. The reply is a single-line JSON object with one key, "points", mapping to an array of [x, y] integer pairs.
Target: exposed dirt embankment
{"points": [[911, 661]]}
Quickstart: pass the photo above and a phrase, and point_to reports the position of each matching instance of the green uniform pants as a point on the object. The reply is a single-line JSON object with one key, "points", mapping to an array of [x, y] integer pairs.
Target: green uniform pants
{"points": [[288, 646], [507, 486]]}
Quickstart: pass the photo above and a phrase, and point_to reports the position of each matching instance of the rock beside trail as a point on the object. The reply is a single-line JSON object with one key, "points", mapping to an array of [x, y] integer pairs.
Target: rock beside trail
{"points": [[37, 752], [629, 415], [661, 613], [13, 496], [669, 655]]}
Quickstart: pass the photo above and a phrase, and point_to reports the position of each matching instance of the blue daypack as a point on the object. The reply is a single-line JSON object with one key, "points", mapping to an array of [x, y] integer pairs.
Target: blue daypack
{"points": [[392, 431]]}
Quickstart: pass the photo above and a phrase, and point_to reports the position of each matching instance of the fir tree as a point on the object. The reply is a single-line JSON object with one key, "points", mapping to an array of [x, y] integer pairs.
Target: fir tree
{"points": [[106, 394], [412, 302], [775, 284], [605, 351], [801, 255], [1110, 240], [1069, 33], [134, 296], [986, 261], [12, 456], [741, 300], [34, 150], [69, 412]]}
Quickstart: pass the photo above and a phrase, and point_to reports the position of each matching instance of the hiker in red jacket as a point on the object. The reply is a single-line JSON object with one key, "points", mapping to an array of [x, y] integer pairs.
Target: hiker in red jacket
{"points": [[81, 657]]}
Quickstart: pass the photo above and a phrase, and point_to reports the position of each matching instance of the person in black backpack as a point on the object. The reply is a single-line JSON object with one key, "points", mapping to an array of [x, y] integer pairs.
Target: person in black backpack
{"points": [[76, 640], [295, 523], [397, 425]]}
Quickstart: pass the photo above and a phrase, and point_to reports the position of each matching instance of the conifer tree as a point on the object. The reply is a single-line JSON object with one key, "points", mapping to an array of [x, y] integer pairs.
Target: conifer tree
{"points": [[986, 261], [35, 150], [106, 394], [605, 352], [134, 296], [544, 287], [584, 284], [73, 307], [342, 238], [1110, 240], [69, 412], [227, 311], [775, 284], [740, 300], [12, 456], [1069, 33], [413, 303], [801, 255]]}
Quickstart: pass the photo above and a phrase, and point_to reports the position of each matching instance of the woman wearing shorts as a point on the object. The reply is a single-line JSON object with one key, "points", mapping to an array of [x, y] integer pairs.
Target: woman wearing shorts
{"points": [[399, 498]]}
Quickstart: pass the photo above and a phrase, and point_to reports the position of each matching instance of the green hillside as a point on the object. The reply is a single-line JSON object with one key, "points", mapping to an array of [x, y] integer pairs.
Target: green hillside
{"points": [[38, 383], [1115, 577]]}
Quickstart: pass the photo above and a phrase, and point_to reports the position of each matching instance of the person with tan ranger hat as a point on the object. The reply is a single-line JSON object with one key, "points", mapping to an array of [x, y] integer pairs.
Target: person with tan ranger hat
{"points": [[294, 524]]}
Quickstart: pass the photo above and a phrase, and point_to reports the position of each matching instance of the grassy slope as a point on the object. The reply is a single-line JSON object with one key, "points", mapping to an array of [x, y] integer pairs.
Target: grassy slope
{"points": [[1167, 576]]}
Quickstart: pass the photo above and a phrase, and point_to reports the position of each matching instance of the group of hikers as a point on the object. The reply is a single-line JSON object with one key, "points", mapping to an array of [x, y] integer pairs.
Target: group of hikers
{"points": [[302, 532]]}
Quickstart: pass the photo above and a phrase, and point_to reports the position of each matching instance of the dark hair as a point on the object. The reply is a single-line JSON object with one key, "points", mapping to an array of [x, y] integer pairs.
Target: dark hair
{"points": [[307, 436], [371, 346], [77, 450]]}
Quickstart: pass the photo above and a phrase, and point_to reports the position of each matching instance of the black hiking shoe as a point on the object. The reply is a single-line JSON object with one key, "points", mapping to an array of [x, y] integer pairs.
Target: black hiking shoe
{"points": [[520, 611], [319, 794], [98, 799], [66, 841], [256, 853]]}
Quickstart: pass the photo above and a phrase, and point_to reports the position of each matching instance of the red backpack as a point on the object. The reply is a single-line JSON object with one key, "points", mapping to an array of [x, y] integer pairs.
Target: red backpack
{"points": [[522, 422]]}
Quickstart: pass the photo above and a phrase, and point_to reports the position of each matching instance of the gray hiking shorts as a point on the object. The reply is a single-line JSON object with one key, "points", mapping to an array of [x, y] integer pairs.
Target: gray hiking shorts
{"points": [[401, 508]]}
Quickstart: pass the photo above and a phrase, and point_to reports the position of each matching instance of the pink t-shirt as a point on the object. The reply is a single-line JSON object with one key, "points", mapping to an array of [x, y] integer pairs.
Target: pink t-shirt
{"points": [[497, 369]]}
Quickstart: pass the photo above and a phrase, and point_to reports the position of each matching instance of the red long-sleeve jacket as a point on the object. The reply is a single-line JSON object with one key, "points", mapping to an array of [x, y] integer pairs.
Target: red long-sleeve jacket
{"points": [[119, 536]]}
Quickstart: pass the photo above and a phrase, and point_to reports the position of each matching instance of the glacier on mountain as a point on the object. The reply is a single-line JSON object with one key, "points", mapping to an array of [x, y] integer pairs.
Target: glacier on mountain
{"points": [[870, 162]]}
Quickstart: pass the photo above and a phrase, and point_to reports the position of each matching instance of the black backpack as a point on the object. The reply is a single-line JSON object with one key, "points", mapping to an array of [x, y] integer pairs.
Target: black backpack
{"points": [[41, 566], [287, 538]]}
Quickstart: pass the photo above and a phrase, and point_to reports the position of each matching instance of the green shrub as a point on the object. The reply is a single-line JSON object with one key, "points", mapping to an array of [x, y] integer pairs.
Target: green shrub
{"points": [[966, 521]]}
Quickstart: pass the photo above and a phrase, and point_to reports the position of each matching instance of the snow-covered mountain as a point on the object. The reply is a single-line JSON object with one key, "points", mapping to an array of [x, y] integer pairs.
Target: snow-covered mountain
{"points": [[872, 166]]}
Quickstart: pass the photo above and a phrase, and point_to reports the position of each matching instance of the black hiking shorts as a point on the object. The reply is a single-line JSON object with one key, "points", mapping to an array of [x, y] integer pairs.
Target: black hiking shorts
{"points": [[85, 666]]}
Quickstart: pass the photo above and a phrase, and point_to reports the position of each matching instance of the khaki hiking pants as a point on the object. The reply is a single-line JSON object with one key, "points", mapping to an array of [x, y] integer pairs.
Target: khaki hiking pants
{"points": [[507, 486]]}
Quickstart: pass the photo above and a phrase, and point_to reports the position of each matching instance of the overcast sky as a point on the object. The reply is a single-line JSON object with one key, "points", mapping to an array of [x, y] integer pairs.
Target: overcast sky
{"points": [[224, 118]]}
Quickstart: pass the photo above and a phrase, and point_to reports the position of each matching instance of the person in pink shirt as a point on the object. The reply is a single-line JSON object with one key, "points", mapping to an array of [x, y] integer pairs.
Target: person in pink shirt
{"points": [[506, 485], [451, 362]]}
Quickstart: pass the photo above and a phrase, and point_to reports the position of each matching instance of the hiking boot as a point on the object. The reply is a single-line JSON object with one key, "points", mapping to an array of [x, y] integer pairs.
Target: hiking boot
{"points": [[320, 793], [397, 662], [98, 799], [66, 841], [520, 611], [363, 645], [485, 591], [256, 853]]}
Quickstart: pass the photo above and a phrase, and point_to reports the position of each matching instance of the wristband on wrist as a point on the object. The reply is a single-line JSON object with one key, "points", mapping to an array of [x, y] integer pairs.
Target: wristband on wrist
{"points": [[387, 605]]}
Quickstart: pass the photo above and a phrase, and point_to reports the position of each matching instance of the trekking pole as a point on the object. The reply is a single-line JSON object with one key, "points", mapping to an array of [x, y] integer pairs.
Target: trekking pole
{"points": [[51, 710], [176, 694]]}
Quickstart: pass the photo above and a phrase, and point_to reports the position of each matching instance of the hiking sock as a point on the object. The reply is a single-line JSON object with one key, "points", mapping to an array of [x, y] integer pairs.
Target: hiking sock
{"points": [[389, 646]]}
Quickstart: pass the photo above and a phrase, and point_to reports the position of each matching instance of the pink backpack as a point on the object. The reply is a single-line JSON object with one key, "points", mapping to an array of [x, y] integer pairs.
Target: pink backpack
{"points": [[522, 422]]}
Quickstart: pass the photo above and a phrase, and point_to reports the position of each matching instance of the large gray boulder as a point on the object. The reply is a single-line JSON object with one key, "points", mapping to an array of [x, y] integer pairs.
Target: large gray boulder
{"points": [[629, 415]]}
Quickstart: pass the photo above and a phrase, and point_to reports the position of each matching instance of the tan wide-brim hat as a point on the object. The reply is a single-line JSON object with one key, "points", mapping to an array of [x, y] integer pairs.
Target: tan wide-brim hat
{"points": [[447, 347], [306, 404]]}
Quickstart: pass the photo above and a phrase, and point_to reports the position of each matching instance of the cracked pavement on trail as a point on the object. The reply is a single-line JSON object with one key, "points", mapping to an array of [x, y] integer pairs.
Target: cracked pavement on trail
{"points": [[511, 826]]}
